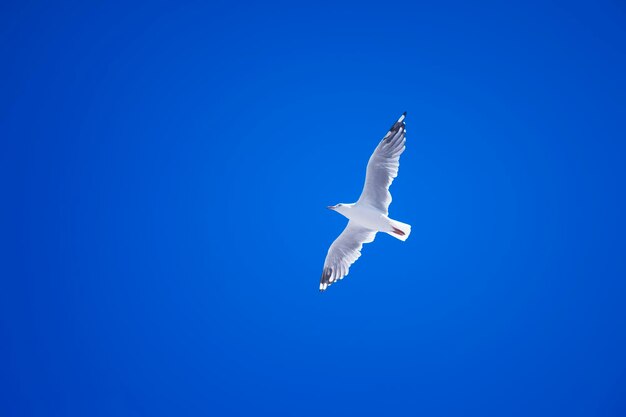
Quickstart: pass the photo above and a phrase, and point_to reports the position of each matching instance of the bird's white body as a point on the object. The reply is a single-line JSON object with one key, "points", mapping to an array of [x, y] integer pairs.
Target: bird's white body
{"points": [[373, 219], [365, 216]]}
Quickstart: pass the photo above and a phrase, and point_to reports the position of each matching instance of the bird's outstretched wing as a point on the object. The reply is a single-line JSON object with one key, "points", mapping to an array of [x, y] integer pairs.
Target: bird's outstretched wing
{"points": [[344, 251], [382, 168]]}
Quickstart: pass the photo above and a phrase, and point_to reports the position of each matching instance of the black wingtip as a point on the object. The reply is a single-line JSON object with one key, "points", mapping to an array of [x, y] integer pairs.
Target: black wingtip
{"points": [[396, 126]]}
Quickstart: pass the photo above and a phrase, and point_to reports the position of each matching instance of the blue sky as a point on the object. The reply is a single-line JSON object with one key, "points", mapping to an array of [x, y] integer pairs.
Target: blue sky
{"points": [[166, 169]]}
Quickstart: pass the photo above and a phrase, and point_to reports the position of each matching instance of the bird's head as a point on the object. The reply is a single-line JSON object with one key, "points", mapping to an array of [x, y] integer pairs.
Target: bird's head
{"points": [[341, 207]]}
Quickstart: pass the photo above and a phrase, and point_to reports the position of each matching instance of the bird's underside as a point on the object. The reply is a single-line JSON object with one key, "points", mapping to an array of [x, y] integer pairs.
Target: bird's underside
{"points": [[369, 214]]}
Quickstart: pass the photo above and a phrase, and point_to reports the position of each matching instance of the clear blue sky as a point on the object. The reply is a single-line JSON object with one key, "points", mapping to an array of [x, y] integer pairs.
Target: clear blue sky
{"points": [[165, 175]]}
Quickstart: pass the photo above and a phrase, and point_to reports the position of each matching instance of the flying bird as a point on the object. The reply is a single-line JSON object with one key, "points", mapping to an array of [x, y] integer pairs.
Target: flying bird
{"points": [[370, 214]]}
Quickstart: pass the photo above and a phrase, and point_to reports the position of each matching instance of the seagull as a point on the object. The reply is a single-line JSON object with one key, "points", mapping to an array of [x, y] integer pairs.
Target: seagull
{"points": [[369, 215]]}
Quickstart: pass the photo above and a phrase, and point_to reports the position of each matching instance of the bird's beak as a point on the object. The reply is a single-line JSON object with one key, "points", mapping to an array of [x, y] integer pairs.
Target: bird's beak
{"points": [[331, 207]]}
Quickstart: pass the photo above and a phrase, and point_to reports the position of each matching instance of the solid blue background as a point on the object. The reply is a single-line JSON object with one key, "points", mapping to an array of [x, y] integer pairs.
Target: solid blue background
{"points": [[166, 170]]}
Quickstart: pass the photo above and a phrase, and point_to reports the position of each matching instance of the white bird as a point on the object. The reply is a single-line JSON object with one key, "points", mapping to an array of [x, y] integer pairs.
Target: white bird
{"points": [[369, 214]]}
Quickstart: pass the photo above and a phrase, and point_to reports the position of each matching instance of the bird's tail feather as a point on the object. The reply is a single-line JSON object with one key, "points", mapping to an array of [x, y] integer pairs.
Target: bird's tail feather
{"points": [[399, 230]]}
